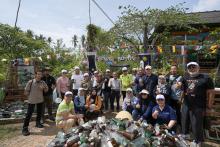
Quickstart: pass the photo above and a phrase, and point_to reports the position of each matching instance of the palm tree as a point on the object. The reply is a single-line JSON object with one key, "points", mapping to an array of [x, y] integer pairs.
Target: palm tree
{"points": [[41, 37], [30, 33], [74, 41], [49, 40], [83, 39]]}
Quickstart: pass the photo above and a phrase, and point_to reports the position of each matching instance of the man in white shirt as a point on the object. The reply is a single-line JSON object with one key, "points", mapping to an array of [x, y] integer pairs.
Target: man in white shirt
{"points": [[76, 80], [115, 85]]}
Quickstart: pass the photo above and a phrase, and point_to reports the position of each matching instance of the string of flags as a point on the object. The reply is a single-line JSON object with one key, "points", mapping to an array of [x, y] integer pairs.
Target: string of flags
{"points": [[183, 48]]}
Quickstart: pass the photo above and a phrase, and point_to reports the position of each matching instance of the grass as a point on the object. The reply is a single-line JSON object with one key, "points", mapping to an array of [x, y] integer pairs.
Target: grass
{"points": [[9, 131]]}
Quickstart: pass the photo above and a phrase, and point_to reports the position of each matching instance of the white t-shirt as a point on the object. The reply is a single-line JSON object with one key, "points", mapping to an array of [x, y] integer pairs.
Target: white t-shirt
{"points": [[77, 80]]}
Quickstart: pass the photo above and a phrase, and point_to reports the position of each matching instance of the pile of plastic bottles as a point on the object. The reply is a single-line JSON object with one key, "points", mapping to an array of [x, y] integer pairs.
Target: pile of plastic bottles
{"points": [[117, 133], [13, 110]]}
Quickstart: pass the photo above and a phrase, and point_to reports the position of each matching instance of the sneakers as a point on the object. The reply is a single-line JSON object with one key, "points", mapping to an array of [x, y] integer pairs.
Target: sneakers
{"points": [[25, 132], [38, 125], [194, 144]]}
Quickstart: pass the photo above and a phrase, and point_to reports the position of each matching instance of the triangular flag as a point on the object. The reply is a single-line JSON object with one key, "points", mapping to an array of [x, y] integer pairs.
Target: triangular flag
{"points": [[213, 49], [48, 57], [173, 49], [40, 58], [159, 49], [182, 50]]}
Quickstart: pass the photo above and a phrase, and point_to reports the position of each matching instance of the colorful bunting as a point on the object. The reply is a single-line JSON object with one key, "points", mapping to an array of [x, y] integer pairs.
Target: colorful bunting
{"points": [[173, 49], [159, 49], [182, 50], [213, 49]]}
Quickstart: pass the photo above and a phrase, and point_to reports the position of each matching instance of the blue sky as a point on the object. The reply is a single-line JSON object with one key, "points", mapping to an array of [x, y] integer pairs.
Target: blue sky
{"points": [[64, 18]]}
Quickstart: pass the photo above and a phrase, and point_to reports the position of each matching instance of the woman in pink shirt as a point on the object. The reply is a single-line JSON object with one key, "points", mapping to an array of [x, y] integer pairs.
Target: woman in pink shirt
{"points": [[62, 84]]}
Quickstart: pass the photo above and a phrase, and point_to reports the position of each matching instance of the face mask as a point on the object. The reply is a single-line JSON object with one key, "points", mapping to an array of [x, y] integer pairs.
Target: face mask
{"points": [[193, 74]]}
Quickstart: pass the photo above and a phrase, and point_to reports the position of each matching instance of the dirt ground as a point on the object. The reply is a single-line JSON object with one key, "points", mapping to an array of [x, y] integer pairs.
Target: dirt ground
{"points": [[40, 137]]}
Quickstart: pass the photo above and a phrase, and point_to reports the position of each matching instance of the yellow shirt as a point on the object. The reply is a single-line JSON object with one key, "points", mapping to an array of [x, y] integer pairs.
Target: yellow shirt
{"points": [[126, 81], [62, 109]]}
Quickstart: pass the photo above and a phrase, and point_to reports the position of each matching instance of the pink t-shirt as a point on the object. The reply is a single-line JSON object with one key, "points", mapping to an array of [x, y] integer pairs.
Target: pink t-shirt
{"points": [[62, 84]]}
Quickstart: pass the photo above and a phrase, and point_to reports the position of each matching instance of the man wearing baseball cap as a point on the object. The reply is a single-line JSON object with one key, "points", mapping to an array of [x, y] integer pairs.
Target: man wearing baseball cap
{"points": [[48, 100], [197, 89], [126, 81], [151, 81], [62, 84], [66, 117], [106, 89], [164, 114], [76, 80]]}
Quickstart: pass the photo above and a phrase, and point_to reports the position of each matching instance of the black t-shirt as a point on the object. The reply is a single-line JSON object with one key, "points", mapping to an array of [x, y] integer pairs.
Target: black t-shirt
{"points": [[195, 89], [106, 80], [150, 83], [49, 81]]}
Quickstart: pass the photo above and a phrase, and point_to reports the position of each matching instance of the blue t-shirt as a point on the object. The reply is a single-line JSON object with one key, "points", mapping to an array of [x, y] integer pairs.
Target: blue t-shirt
{"points": [[165, 115]]}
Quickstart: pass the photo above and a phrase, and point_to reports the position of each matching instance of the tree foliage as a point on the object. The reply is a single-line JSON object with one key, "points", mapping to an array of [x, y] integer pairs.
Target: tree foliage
{"points": [[152, 26], [98, 38], [15, 43]]}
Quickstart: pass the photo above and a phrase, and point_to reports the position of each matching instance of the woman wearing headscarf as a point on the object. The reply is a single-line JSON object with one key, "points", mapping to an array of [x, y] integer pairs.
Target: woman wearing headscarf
{"points": [[93, 105], [128, 101], [163, 88], [80, 102]]}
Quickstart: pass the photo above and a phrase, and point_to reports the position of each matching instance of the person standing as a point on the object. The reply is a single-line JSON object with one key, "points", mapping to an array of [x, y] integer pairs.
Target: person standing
{"points": [[34, 90], [126, 81], [151, 81], [163, 88], [63, 84], [76, 80], [140, 81], [106, 89], [175, 82], [86, 84], [115, 85], [197, 88], [48, 96]]}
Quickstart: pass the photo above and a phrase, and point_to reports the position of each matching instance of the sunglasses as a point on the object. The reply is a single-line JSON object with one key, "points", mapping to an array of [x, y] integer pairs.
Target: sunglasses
{"points": [[143, 94], [160, 99], [191, 67]]}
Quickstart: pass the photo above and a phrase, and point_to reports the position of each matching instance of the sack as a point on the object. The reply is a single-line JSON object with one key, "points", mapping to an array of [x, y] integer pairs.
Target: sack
{"points": [[55, 95]]}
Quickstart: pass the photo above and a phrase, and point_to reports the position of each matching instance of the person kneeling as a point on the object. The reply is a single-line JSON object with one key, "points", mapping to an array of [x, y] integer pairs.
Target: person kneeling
{"points": [[93, 105], [66, 117], [80, 101], [164, 114], [128, 101]]}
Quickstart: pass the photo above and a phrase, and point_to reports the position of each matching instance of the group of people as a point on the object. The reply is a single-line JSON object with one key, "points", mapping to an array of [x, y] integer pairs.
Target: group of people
{"points": [[170, 100]]}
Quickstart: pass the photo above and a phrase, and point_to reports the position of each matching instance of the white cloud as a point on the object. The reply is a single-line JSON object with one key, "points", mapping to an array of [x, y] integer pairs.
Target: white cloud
{"points": [[206, 5]]}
